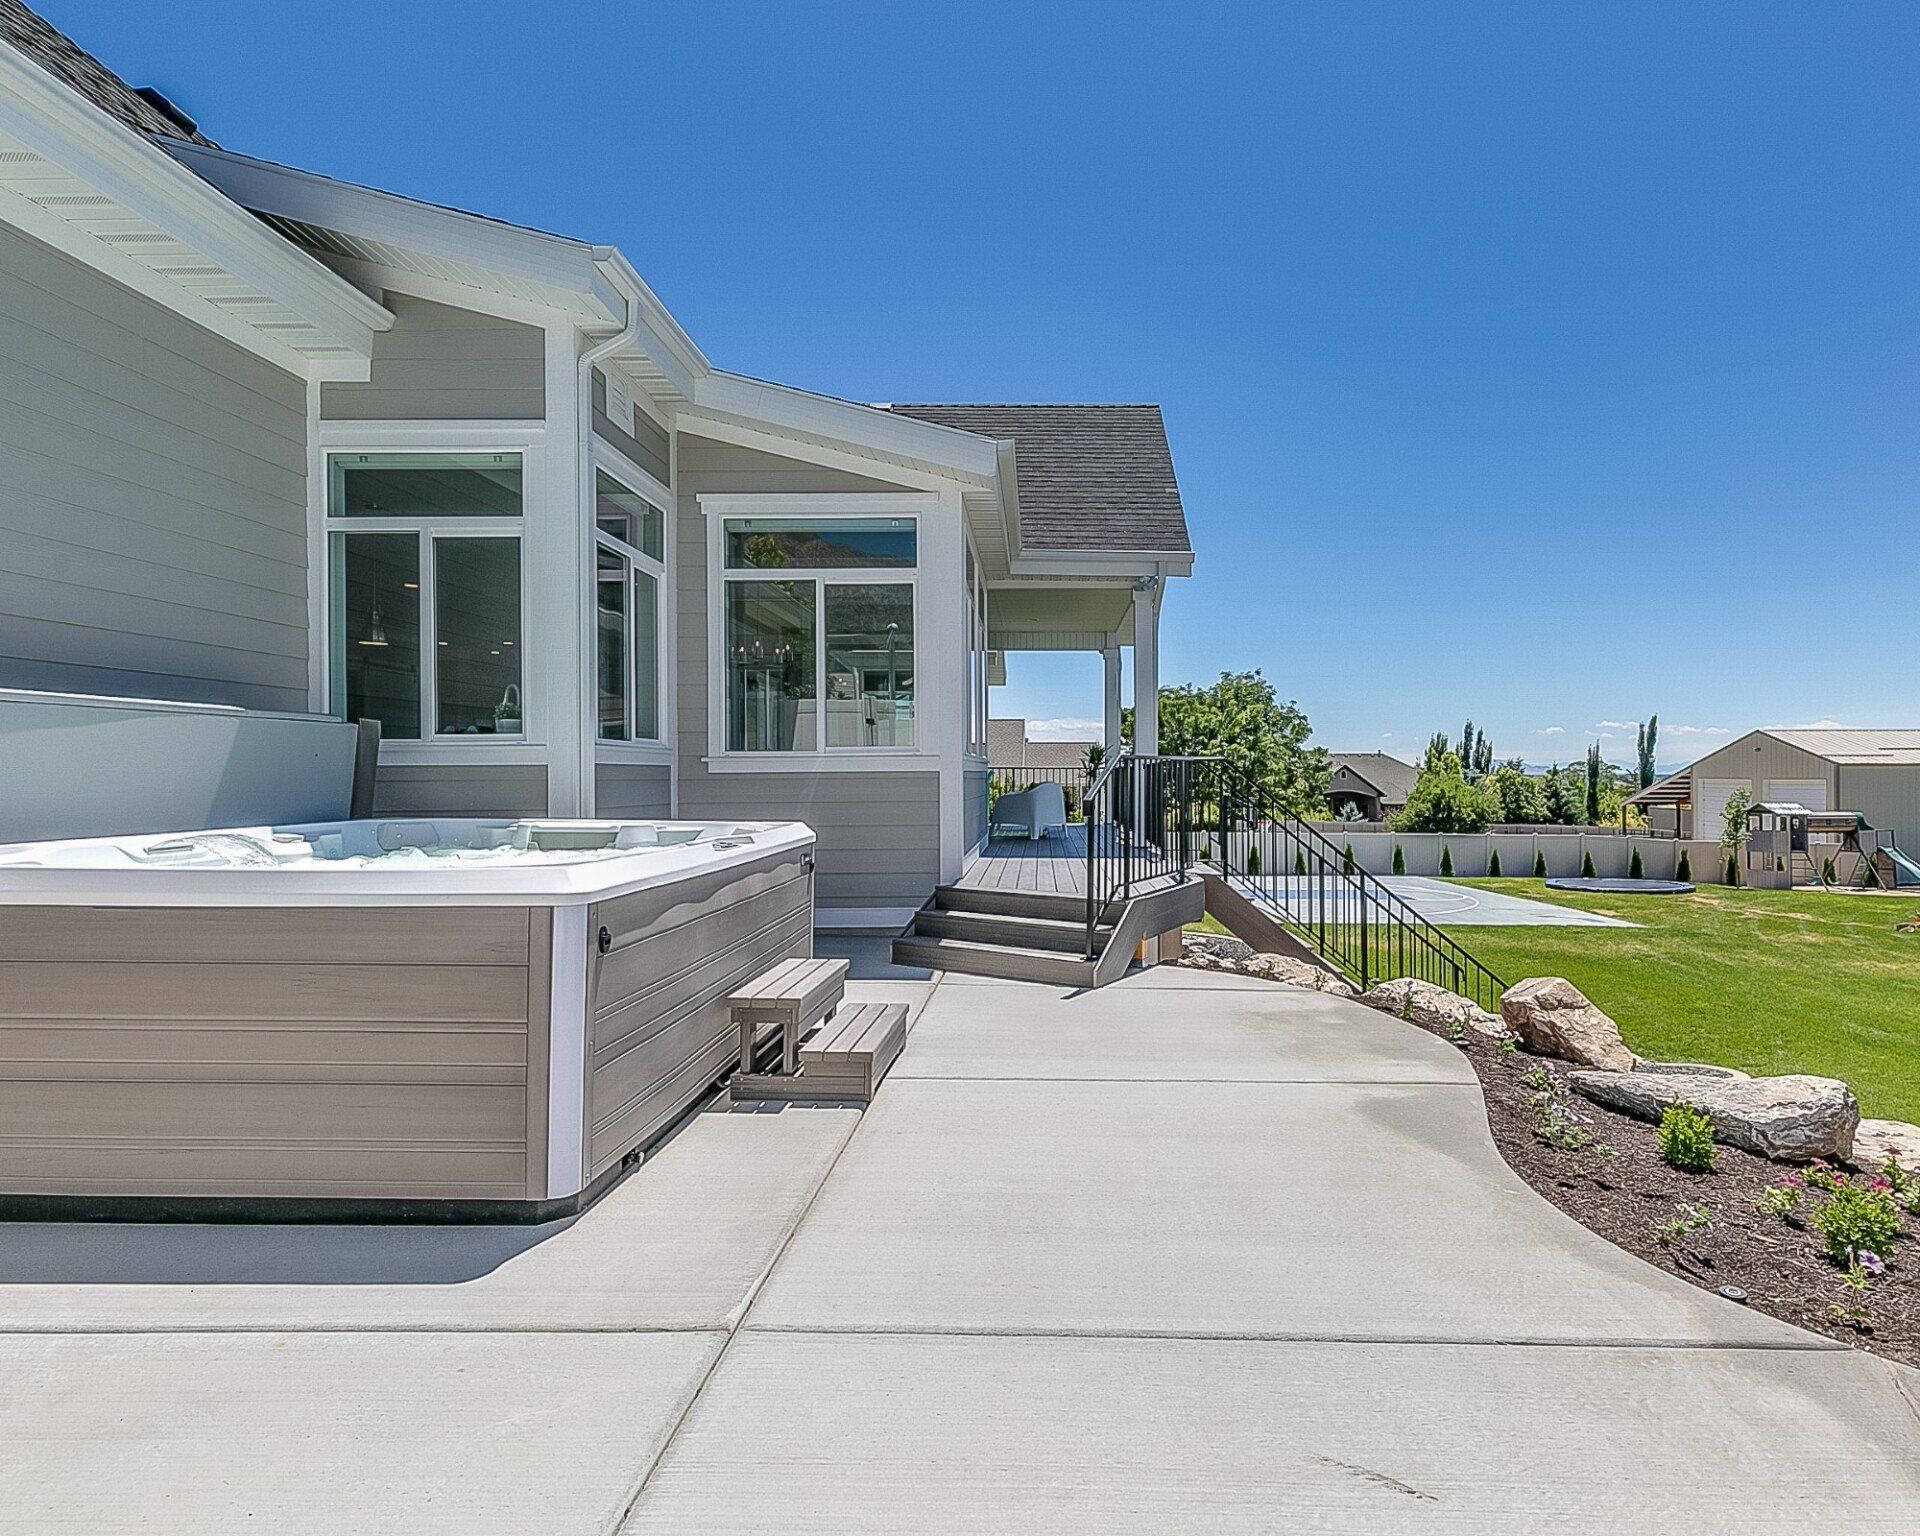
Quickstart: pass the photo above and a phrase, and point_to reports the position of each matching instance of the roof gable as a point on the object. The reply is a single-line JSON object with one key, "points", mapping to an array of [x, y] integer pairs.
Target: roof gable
{"points": [[1091, 477]]}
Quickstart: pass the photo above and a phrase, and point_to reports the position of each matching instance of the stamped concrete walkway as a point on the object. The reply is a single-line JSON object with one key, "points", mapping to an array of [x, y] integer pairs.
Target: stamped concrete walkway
{"points": [[1190, 1253]]}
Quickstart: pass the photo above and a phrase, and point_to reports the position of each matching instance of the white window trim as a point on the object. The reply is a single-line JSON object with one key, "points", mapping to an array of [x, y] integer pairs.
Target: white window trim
{"points": [[607, 456], [525, 438], [716, 509]]}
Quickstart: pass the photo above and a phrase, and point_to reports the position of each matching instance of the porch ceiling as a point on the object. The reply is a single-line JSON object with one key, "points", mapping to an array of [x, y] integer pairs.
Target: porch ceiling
{"points": [[1064, 615]]}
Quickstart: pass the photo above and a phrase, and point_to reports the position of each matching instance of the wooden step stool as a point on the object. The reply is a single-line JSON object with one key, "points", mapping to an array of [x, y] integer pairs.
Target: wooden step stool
{"points": [[796, 995], [843, 1060]]}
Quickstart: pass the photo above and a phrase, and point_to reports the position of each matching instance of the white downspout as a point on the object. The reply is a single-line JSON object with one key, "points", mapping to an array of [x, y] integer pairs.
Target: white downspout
{"points": [[589, 704]]}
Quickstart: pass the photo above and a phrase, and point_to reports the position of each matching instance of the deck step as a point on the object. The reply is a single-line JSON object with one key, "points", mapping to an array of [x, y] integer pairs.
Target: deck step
{"points": [[794, 994], [1007, 961], [970, 898], [843, 1060], [1067, 935]]}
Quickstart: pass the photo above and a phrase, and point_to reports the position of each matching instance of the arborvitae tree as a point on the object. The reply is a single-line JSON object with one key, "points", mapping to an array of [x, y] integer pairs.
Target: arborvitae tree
{"points": [[1493, 864], [1539, 864], [1586, 864], [1399, 860], [1636, 866], [1684, 869], [1347, 865], [1253, 858], [1559, 798], [1732, 870], [1299, 861], [1593, 785], [1446, 862], [1645, 741]]}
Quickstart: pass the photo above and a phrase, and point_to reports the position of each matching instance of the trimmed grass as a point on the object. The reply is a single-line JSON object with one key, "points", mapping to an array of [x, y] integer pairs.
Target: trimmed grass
{"points": [[1208, 924], [1767, 981]]}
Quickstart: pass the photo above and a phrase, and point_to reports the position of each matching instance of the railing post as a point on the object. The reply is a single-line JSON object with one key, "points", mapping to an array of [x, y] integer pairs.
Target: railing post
{"points": [[1366, 953]]}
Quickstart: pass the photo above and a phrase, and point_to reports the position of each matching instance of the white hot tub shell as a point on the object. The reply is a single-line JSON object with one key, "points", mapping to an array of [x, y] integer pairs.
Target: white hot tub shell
{"points": [[430, 1017]]}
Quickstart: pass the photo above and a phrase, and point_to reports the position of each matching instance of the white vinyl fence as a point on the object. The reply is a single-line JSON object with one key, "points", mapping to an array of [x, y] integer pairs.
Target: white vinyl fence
{"points": [[1564, 849]]}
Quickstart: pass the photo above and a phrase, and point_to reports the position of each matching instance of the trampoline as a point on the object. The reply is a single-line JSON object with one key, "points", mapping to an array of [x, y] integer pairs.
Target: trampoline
{"points": [[1621, 887]]}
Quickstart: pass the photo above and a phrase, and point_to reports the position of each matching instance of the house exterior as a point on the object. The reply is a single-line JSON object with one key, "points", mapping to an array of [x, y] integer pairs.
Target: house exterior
{"points": [[1009, 747], [1874, 772], [274, 440], [1370, 785]]}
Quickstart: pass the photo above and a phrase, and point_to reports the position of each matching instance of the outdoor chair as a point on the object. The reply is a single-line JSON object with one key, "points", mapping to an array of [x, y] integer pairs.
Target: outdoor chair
{"points": [[1035, 810]]}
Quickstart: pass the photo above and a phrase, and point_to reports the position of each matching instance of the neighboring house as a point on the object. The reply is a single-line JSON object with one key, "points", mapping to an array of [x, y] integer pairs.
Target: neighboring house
{"points": [[1369, 783], [280, 441], [1876, 773], [1009, 746]]}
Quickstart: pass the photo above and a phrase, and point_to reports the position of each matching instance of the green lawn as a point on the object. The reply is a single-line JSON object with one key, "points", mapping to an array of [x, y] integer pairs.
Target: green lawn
{"points": [[1767, 981]]}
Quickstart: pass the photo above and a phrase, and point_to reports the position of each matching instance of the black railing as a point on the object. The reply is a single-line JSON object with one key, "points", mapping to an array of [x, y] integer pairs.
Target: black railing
{"points": [[1144, 822], [1347, 915]]}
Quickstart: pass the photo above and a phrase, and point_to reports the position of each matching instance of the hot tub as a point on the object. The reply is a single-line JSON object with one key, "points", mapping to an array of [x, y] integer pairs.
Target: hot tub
{"points": [[424, 1017]]}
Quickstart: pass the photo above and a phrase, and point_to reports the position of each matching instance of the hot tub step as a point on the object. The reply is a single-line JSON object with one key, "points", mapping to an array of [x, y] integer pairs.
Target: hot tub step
{"points": [[844, 1059]]}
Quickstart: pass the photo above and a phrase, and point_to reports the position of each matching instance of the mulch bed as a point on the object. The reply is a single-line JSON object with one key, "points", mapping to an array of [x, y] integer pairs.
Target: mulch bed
{"points": [[1627, 1194]]}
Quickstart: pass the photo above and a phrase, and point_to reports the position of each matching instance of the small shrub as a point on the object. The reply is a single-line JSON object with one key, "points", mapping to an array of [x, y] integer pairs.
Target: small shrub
{"points": [[1539, 864], [1399, 860], [1493, 864], [1300, 861], [1905, 1186], [1857, 1219], [1686, 1138], [1684, 869], [1347, 865], [1779, 1199], [1586, 864], [1852, 1307], [1732, 871], [1636, 866], [1446, 862], [1253, 858], [1827, 875], [1685, 1219]]}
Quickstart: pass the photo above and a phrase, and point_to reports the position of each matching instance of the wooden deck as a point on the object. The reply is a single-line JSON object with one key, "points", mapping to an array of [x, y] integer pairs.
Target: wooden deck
{"points": [[1053, 865]]}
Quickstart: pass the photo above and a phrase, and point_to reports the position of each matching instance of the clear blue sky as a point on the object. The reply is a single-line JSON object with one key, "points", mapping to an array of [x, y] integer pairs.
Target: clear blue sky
{"points": [[1544, 364]]}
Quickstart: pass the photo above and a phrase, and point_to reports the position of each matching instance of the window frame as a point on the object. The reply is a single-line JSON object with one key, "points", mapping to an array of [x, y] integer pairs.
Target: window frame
{"points": [[718, 509], [606, 458], [426, 529]]}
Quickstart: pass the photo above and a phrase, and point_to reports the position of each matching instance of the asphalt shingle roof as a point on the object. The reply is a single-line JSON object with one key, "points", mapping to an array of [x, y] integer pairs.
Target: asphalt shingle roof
{"points": [[1091, 476], [1393, 778], [64, 59]]}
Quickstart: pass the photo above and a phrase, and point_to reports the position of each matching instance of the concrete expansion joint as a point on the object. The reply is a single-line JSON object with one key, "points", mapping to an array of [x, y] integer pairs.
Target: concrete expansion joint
{"points": [[1811, 1345]]}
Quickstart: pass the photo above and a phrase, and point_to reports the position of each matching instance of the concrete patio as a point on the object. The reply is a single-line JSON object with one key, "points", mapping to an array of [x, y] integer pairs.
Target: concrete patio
{"points": [[1191, 1252]]}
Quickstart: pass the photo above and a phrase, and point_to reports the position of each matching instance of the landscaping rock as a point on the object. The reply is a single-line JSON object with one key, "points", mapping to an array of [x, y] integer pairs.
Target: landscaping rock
{"points": [[1877, 1140], [1553, 1016], [1424, 1002], [1691, 1069], [1296, 972], [1790, 1119]]}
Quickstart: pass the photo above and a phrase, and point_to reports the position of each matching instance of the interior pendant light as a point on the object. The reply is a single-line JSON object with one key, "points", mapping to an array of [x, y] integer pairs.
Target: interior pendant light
{"points": [[376, 632]]}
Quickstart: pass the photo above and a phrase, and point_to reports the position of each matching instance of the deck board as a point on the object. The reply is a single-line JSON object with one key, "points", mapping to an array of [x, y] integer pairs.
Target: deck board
{"points": [[1053, 865]]}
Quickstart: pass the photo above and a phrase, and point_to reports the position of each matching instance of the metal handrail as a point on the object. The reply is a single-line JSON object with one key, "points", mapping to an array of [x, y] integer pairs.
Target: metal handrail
{"points": [[1341, 910], [1139, 814]]}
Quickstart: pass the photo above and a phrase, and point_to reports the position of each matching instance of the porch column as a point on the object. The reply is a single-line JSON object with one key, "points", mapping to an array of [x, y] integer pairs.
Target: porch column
{"points": [[1146, 667], [1110, 658]]}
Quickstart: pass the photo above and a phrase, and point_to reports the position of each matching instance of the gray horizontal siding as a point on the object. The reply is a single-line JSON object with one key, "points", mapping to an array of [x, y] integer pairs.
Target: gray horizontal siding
{"points": [[879, 831], [152, 497], [976, 819], [632, 791], [640, 438], [439, 363], [461, 789]]}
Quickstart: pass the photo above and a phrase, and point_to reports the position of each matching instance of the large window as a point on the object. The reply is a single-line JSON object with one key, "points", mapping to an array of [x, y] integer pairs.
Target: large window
{"points": [[630, 566], [425, 580], [977, 658], [817, 629]]}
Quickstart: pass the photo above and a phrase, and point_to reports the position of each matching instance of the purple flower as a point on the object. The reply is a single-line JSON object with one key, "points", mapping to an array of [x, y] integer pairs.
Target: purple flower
{"points": [[1872, 1263], [1879, 1185], [1795, 1181]]}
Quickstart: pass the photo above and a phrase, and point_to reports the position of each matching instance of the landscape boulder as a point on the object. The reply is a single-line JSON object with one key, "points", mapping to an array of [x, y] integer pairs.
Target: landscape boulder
{"points": [[1553, 1017], [1424, 1002], [1790, 1119], [1296, 972], [1877, 1140]]}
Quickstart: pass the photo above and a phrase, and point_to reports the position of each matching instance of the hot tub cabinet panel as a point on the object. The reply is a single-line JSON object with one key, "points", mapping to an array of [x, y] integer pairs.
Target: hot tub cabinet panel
{"points": [[457, 1057], [269, 1052], [660, 1030]]}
